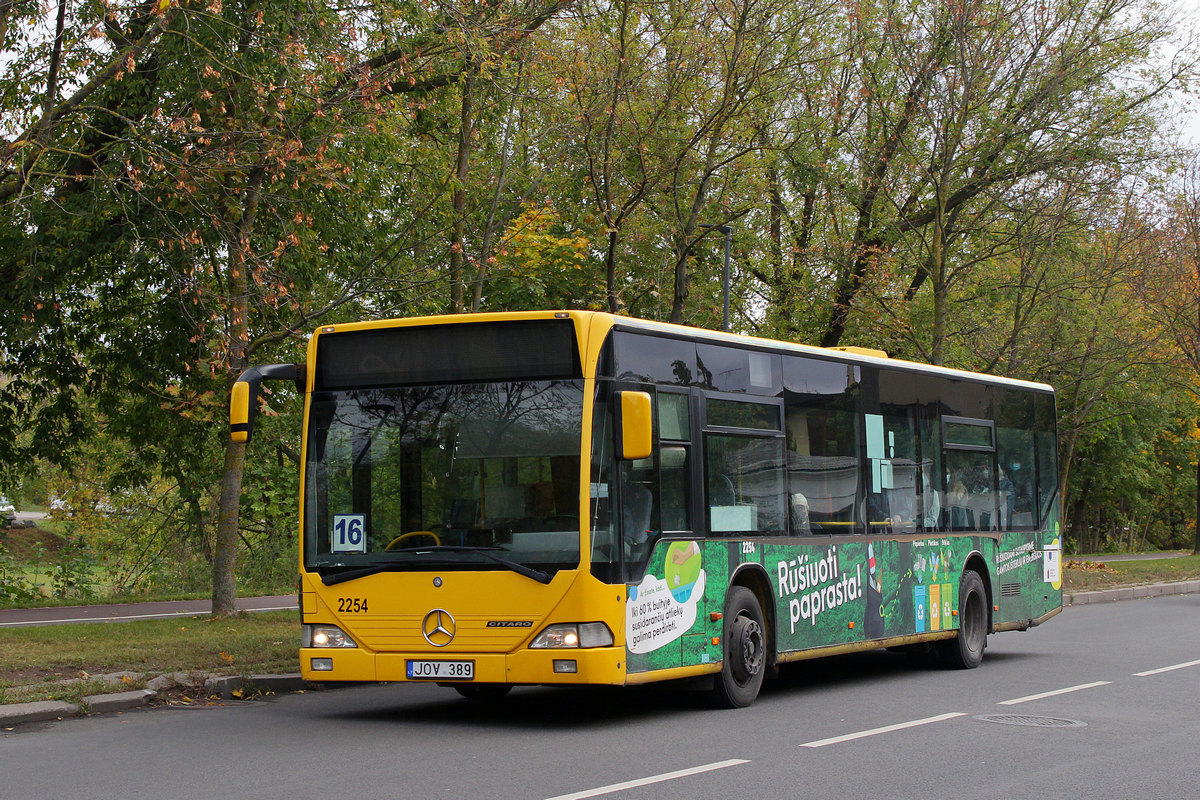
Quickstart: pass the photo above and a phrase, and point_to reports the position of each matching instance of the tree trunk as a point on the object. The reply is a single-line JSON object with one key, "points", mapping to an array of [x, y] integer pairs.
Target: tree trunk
{"points": [[224, 594], [1066, 452], [224, 590], [459, 212], [610, 271], [679, 296], [941, 288]]}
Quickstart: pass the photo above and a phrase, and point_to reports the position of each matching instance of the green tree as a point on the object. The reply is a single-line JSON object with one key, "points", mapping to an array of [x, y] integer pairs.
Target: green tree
{"points": [[950, 114], [182, 218]]}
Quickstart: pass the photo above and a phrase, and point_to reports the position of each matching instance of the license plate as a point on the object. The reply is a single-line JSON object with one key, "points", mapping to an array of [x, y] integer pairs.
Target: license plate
{"points": [[441, 670]]}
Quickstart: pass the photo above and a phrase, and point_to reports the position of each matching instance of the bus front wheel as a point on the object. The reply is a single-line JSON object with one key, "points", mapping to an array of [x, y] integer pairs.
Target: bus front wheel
{"points": [[965, 651], [745, 650]]}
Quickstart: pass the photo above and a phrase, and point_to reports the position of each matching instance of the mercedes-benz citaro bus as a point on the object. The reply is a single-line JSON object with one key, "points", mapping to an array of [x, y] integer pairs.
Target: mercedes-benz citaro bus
{"points": [[570, 497]]}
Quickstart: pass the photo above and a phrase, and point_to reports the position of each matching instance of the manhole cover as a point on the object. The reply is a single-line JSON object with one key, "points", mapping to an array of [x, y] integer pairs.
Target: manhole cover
{"points": [[1031, 721]]}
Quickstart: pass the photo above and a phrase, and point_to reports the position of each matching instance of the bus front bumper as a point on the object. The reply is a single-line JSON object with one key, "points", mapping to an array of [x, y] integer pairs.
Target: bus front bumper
{"points": [[598, 665]]}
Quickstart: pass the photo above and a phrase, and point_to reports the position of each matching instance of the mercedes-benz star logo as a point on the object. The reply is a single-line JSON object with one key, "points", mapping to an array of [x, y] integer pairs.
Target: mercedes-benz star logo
{"points": [[438, 627]]}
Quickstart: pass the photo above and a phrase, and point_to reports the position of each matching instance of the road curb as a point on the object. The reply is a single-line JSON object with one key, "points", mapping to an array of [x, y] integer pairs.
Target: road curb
{"points": [[119, 701], [39, 711], [226, 686], [1131, 593]]}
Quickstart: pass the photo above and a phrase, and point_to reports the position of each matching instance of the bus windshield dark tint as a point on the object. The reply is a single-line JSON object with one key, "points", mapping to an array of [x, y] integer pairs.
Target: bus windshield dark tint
{"points": [[394, 472], [461, 353]]}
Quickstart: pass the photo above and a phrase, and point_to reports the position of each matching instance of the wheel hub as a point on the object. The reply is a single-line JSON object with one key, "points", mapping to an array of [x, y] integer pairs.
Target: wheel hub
{"points": [[746, 648]]}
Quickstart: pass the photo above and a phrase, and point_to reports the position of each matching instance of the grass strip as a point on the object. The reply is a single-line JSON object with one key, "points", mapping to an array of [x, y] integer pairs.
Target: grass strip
{"points": [[45, 656], [1090, 573]]}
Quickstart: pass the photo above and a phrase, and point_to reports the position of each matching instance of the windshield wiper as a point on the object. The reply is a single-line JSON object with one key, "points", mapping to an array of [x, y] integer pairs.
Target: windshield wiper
{"points": [[529, 572], [353, 574], [362, 572]]}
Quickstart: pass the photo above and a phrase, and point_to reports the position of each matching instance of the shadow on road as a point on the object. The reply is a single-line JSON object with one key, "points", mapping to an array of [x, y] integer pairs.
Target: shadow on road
{"points": [[570, 708]]}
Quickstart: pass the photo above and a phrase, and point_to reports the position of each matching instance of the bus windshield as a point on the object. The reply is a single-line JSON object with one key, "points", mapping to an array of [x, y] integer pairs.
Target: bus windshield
{"points": [[452, 476]]}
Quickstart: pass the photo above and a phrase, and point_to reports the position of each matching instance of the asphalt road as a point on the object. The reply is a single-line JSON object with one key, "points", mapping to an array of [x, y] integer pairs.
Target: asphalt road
{"points": [[1107, 692]]}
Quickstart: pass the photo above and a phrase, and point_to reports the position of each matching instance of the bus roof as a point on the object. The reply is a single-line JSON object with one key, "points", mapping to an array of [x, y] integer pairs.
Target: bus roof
{"points": [[852, 355], [606, 321]]}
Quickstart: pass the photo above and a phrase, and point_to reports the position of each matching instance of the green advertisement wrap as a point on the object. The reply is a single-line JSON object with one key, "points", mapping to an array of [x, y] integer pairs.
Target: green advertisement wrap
{"points": [[851, 591], [827, 593], [1028, 576]]}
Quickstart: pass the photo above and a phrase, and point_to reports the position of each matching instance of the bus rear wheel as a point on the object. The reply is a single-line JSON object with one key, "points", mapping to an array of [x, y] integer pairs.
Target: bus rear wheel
{"points": [[745, 650], [965, 651]]}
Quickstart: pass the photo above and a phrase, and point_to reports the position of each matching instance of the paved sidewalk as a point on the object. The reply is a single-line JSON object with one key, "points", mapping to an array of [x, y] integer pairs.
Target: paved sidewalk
{"points": [[1131, 593], [123, 612]]}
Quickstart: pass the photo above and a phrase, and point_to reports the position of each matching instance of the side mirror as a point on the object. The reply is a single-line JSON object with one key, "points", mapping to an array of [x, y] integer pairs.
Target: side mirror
{"points": [[635, 425], [242, 407], [243, 399]]}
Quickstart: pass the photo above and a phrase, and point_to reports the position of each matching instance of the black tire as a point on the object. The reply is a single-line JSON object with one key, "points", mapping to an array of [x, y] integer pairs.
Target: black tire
{"points": [[483, 692], [744, 645], [965, 651]]}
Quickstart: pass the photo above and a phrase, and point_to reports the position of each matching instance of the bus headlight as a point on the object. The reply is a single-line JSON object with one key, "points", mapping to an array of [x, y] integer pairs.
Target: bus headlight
{"points": [[324, 636], [581, 634]]}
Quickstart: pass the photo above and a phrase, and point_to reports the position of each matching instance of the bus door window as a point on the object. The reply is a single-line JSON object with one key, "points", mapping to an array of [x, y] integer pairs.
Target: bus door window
{"points": [[624, 498], [744, 474], [639, 498], [606, 557], [970, 474], [823, 476], [674, 435], [639, 509]]}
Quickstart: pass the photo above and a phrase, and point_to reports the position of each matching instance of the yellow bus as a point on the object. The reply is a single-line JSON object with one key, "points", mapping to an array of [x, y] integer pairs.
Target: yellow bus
{"points": [[571, 497]]}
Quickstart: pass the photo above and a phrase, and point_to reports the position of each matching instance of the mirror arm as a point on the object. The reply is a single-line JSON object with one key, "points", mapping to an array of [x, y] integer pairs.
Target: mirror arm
{"points": [[243, 405]]}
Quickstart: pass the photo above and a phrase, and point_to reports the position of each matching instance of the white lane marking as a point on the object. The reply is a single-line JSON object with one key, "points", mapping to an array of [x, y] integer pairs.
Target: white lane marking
{"points": [[134, 617], [1165, 669], [886, 729], [666, 776], [1028, 698]]}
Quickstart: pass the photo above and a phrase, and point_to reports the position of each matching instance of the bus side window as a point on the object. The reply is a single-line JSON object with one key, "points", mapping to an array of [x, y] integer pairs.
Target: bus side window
{"points": [[929, 448], [1016, 460], [970, 453], [744, 476], [823, 429], [893, 493], [823, 474], [970, 493], [1018, 476], [1047, 457]]}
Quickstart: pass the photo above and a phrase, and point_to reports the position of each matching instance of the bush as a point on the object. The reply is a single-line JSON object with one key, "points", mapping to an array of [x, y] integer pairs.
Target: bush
{"points": [[14, 586]]}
